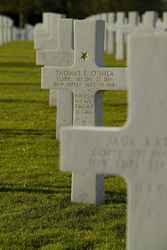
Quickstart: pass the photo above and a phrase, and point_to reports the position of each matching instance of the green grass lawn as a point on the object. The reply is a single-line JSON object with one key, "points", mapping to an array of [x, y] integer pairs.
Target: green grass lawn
{"points": [[35, 207]]}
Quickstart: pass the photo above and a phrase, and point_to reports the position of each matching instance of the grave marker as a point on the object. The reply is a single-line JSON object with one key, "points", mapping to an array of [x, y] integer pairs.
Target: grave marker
{"points": [[62, 55], [1, 30], [138, 152], [58, 50], [120, 39], [46, 37], [43, 31], [85, 79], [110, 34]]}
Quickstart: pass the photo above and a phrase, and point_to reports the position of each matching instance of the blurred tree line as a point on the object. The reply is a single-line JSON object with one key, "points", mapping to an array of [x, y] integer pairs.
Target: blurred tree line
{"points": [[23, 11]]}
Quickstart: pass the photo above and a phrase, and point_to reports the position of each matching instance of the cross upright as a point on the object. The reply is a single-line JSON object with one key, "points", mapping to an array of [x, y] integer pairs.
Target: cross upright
{"points": [[58, 49], [44, 31], [84, 79], [137, 152], [1, 30]]}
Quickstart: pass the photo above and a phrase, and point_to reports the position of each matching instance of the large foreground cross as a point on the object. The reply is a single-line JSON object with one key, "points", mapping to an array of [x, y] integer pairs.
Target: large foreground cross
{"points": [[85, 79], [138, 152]]}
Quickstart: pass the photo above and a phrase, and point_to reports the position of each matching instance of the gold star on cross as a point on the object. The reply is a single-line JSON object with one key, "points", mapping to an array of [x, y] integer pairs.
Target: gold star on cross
{"points": [[84, 55]]}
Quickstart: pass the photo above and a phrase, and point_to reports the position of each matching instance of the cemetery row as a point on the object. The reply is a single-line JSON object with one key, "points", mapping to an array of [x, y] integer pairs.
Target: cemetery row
{"points": [[8, 32], [70, 52], [118, 26]]}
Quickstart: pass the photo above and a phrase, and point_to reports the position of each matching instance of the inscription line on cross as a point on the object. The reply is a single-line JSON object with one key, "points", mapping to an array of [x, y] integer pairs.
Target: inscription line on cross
{"points": [[85, 79], [137, 152]]}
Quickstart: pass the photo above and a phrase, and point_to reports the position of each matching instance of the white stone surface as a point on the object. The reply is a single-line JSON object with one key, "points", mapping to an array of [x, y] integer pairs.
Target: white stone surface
{"points": [[9, 29], [5, 29], [43, 31], [49, 39], [58, 50], [120, 38], [137, 152], [110, 35], [165, 17], [1, 30], [149, 19]]}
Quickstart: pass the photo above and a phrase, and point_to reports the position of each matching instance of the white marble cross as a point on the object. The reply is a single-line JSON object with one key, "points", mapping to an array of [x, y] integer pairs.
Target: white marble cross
{"points": [[110, 34], [137, 152], [85, 78], [50, 39], [47, 37], [58, 51], [149, 19], [9, 29], [5, 29], [1, 30], [44, 31], [120, 37]]}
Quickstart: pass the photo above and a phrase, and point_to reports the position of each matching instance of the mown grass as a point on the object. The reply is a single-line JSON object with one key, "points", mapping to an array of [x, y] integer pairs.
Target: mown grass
{"points": [[35, 207]]}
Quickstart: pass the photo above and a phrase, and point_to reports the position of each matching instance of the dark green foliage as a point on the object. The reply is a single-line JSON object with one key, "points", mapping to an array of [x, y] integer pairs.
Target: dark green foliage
{"points": [[31, 10]]}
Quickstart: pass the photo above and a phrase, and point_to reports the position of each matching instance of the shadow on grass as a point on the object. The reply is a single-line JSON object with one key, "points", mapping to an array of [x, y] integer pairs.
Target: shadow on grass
{"points": [[35, 84], [18, 64], [33, 189], [26, 132], [22, 101], [115, 197]]}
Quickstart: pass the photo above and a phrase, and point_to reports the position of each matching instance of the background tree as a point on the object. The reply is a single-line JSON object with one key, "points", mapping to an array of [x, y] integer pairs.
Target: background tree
{"points": [[31, 10], [22, 8]]}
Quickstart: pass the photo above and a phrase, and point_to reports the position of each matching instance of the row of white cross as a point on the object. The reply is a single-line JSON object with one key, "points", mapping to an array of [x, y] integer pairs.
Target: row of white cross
{"points": [[72, 54], [8, 32], [6, 29], [119, 25]]}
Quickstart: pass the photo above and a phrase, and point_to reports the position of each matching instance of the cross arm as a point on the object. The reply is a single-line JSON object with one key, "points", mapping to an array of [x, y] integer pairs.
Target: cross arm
{"points": [[111, 78], [113, 151], [91, 78], [94, 150]]}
